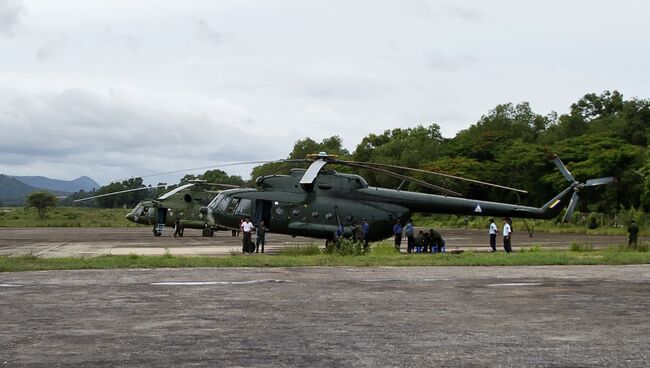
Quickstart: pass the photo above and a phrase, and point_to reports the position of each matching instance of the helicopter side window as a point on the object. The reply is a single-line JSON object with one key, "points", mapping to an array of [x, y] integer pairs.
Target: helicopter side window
{"points": [[232, 205], [244, 206]]}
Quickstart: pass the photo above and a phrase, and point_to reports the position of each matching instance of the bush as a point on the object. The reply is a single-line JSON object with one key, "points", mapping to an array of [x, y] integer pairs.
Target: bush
{"points": [[345, 247]]}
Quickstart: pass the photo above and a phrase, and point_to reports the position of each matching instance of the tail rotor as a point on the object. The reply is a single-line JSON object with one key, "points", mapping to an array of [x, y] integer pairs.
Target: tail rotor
{"points": [[577, 186]]}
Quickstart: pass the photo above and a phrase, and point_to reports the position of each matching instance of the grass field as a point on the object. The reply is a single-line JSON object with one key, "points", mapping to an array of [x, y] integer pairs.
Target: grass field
{"points": [[114, 217], [65, 217], [382, 255]]}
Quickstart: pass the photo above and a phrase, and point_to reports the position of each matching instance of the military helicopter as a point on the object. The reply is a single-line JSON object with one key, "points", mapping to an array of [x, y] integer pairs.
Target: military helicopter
{"points": [[181, 203], [313, 202]]}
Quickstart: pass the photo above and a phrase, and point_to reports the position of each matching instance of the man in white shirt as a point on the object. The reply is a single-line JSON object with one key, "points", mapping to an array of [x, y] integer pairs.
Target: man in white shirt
{"points": [[247, 227], [493, 235], [507, 231]]}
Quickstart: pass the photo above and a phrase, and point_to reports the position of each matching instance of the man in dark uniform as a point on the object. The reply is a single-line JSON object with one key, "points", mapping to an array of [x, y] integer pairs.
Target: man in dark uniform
{"points": [[437, 243], [397, 231], [633, 238], [365, 229], [178, 227], [261, 237]]}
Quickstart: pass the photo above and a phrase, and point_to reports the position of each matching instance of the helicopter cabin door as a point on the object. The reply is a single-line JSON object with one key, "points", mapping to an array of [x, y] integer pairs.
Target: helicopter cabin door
{"points": [[162, 216], [279, 222], [263, 212]]}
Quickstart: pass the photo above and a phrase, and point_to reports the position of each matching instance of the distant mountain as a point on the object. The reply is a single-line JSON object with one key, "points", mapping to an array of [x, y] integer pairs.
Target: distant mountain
{"points": [[13, 191], [71, 186]]}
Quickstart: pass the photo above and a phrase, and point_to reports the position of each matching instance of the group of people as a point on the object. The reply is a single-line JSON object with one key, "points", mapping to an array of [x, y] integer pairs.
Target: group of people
{"points": [[247, 228], [360, 232], [507, 235], [424, 242]]}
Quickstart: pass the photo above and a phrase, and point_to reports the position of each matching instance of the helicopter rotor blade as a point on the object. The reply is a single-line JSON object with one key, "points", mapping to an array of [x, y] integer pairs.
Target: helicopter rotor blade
{"points": [[203, 168], [116, 193], [563, 169], [223, 185], [571, 208], [600, 181], [312, 171], [404, 177], [435, 173]]}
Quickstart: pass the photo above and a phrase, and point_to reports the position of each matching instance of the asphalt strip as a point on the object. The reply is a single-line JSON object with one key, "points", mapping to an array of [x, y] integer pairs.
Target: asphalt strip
{"points": [[200, 283], [9, 285]]}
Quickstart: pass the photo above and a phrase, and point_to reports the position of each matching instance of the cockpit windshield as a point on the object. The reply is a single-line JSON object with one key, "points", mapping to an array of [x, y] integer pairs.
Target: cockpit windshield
{"points": [[218, 203]]}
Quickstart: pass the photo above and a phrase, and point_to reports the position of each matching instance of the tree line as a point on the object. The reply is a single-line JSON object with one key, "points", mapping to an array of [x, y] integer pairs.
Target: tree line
{"points": [[601, 135]]}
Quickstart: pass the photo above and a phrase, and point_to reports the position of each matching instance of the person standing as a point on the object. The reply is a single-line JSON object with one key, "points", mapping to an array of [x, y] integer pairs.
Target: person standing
{"points": [[410, 238], [633, 235], [365, 229], [397, 231], [507, 232], [261, 237], [493, 235], [247, 227], [178, 227], [437, 243]]}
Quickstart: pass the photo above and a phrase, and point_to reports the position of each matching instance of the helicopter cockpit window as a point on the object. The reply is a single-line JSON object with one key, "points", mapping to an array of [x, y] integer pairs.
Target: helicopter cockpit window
{"points": [[216, 202], [232, 205], [144, 211], [244, 206]]}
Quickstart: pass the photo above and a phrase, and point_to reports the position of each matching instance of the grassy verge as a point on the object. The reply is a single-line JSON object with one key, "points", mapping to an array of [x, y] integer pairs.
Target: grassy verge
{"points": [[65, 217], [381, 256]]}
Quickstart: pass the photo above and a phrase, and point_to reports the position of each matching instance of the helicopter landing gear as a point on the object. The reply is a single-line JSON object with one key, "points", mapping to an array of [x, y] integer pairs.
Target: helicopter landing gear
{"points": [[208, 231], [156, 232]]}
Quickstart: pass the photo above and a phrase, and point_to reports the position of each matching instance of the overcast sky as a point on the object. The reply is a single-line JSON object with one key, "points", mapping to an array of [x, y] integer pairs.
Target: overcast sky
{"points": [[113, 89]]}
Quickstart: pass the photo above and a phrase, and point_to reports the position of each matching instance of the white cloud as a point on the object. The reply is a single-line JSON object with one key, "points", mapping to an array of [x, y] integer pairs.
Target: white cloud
{"points": [[129, 88], [11, 12], [118, 133]]}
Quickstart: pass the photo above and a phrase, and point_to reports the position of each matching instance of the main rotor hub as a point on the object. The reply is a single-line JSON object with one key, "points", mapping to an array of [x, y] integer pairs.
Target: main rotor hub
{"points": [[322, 156]]}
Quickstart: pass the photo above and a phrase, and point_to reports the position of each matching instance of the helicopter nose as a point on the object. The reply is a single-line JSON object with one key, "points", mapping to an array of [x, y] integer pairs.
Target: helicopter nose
{"points": [[130, 216]]}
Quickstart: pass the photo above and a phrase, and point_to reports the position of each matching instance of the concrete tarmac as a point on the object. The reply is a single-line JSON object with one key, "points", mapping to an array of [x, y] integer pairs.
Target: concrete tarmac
{"points": [[58, 242], [578, 316]]}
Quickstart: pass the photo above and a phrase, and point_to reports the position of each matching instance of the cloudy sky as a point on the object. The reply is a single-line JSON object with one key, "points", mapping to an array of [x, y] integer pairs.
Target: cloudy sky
{"points": [[113, 89]]}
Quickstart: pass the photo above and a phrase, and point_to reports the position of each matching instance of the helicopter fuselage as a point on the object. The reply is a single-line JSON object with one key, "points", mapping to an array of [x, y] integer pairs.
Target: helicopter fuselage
{"points": [[317, 209], [182, 203]]}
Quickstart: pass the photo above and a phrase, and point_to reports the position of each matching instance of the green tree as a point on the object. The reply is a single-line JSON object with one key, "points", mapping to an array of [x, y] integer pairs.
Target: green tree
{"points": [[303, 147], [409, 147], [129, 199], [215, 176], [41, 200]]}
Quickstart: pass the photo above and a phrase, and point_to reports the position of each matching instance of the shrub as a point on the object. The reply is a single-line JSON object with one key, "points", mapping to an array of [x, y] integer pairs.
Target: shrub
{"points": [[345, 247]]}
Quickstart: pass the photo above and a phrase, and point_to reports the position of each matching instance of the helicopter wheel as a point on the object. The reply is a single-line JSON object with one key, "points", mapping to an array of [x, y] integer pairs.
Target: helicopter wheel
{"points": [[156, 233], [208, 232]]}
